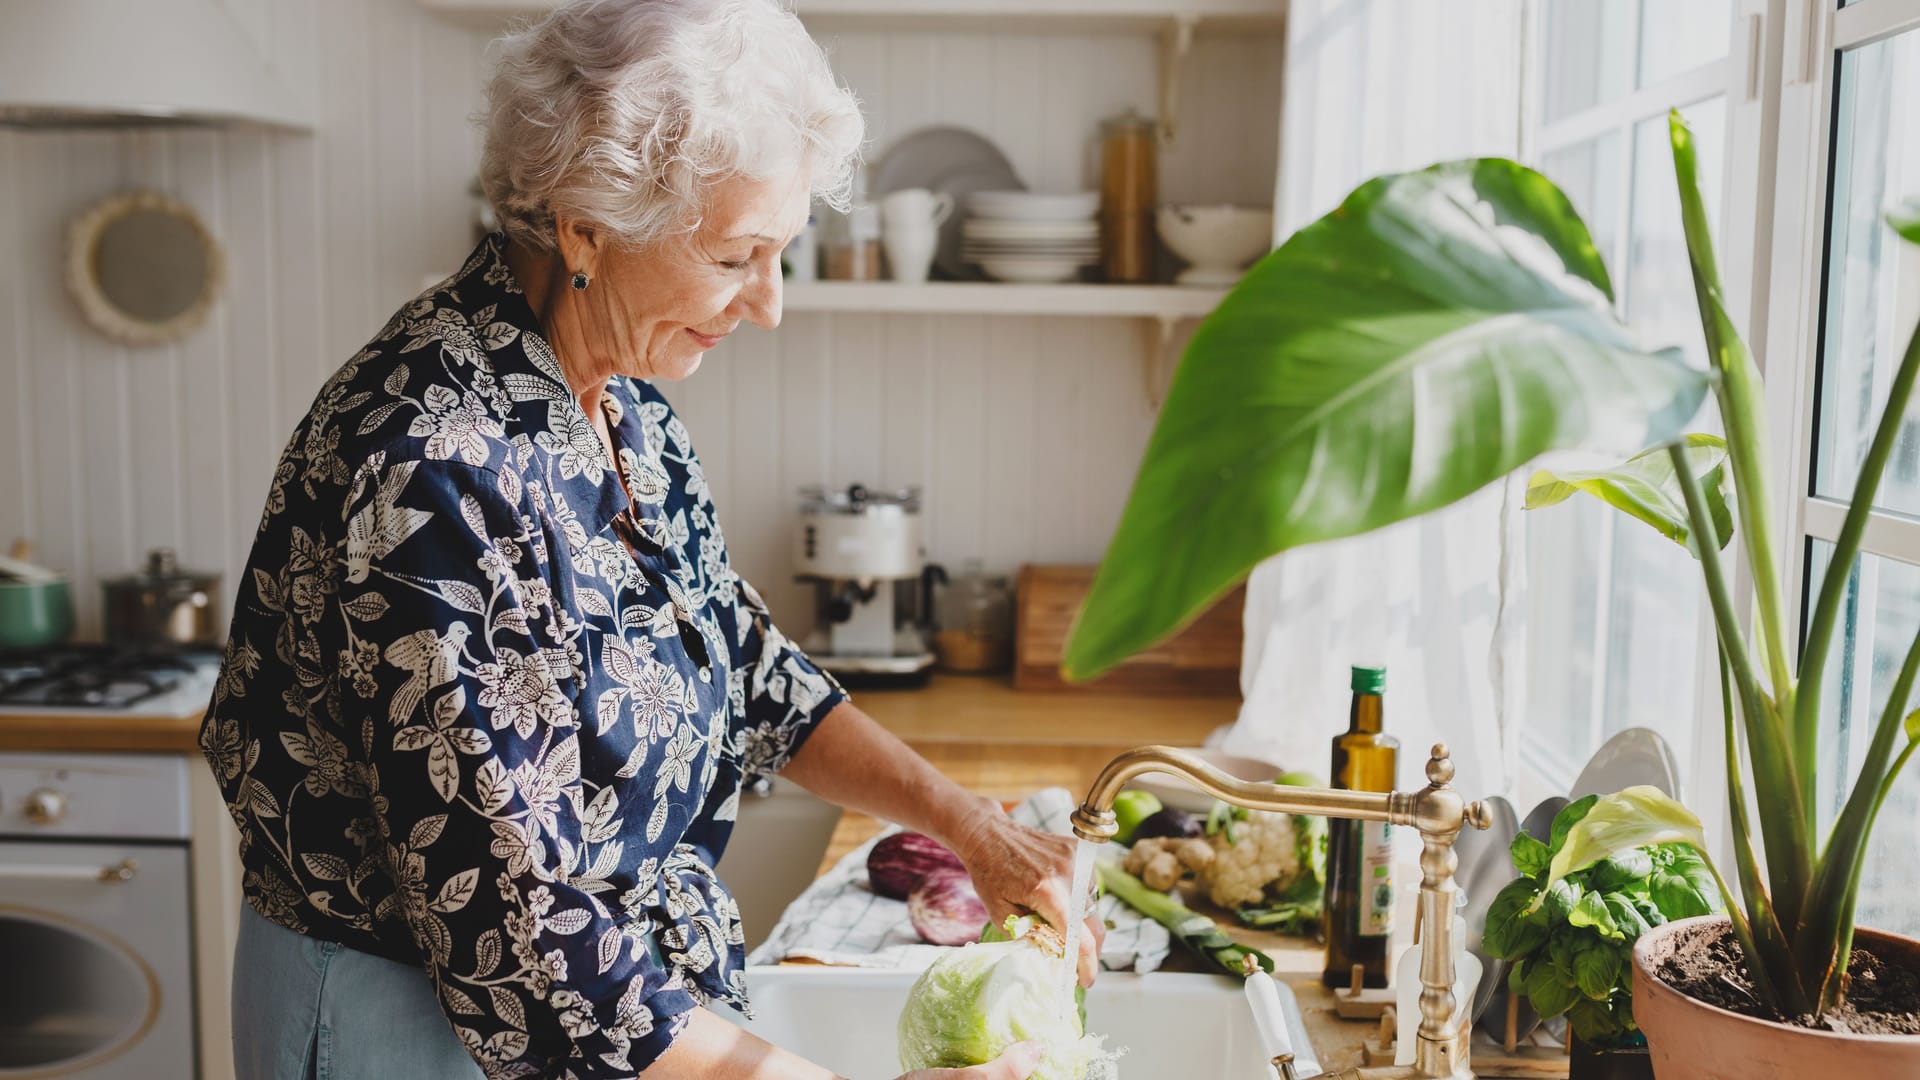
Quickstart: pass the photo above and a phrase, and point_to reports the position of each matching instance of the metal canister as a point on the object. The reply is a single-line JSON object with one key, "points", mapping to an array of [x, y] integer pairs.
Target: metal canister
{"points": [[163, 605], [1129, 190]]}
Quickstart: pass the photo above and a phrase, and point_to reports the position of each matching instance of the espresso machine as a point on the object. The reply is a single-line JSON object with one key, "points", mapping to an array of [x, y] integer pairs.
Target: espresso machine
{"points": [[863, 554]]}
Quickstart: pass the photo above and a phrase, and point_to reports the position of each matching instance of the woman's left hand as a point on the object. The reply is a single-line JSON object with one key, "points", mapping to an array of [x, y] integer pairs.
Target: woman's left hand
{"points": [[1022, 871]]}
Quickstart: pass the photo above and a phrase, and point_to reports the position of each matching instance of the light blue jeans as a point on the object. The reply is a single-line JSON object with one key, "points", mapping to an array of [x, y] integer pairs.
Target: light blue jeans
{"points": [[305, 1009]]}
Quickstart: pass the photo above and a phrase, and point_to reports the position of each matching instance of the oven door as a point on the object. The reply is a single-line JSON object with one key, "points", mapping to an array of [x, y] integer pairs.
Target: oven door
{"points": [[95, 943]]}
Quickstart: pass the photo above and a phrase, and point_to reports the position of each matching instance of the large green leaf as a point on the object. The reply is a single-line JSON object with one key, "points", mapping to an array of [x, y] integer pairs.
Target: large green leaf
{"points": [[1435, 332], [1646, 487], [1905, 219]]}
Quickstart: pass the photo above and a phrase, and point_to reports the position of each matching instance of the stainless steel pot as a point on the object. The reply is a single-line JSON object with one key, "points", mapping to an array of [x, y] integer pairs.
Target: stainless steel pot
{"points": [[163, 605]]}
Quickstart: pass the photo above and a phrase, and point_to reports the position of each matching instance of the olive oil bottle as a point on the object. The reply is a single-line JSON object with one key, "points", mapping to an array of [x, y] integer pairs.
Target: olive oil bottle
{"points": [[1359, 897]]}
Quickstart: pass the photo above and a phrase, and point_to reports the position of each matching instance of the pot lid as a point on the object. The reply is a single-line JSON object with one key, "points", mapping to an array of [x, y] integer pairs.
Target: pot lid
{"points": [[858, 499], [162, 571]]}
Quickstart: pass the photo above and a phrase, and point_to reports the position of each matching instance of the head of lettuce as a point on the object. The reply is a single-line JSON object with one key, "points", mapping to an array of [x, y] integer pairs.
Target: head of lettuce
{"points": [[978, 1000]]}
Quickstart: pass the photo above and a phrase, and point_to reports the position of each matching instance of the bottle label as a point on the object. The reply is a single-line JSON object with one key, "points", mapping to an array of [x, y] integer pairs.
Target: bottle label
{"points": [[1376, 879]]}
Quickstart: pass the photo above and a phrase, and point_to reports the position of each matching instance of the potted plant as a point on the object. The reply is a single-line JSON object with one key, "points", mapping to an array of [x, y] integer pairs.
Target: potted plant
{"points": [[1437, 331], [1571, 942]]}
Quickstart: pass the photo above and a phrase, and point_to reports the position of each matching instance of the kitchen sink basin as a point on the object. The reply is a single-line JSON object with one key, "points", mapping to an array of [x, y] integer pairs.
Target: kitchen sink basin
{"points": [[1171, 1024]]}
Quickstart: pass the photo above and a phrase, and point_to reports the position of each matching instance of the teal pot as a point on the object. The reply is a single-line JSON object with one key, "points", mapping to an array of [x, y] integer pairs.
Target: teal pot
{"points": [[34, 613], [1589, 1062]]}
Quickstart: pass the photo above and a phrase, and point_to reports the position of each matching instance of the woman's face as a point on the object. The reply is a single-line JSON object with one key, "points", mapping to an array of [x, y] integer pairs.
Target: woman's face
{"points": [[654, 311]]}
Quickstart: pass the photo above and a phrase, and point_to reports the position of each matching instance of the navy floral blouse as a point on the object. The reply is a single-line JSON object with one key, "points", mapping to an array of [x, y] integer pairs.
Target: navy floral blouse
{"points": [[483, 710]]}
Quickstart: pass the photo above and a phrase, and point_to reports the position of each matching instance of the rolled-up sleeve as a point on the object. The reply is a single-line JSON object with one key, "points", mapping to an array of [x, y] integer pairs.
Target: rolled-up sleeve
{"points": [[507, 867], [779, 695]]}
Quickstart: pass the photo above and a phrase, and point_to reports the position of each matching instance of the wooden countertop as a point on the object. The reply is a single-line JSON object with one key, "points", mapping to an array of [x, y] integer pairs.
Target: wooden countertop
{"points": [[100, 731], [994, 740]]}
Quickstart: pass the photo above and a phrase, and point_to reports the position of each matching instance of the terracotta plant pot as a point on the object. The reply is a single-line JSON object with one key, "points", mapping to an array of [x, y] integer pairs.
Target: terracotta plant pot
{"points": [[1692, 1040]]}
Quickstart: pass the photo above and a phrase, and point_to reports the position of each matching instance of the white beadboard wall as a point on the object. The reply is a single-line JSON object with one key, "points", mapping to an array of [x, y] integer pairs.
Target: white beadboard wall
{"points": [[1024, 432]]}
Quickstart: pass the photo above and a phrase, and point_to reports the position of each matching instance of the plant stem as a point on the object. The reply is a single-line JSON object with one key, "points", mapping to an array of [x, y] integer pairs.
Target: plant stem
{"points": [[1770, 953], [1744, 932], [1817, 944], [1789, 853], [1732, 647], [1846, 547]]}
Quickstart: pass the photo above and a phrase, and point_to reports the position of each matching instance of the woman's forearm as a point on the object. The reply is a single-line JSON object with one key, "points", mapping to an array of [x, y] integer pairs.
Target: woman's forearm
{"points": [[714, 1049], [852, 761]]}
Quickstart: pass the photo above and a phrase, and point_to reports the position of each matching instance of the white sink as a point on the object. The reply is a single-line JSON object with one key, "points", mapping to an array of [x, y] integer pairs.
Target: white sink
{"points": [[1171, 1024]]}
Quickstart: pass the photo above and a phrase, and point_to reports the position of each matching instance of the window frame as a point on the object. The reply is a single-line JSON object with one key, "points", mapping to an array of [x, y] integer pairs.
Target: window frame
{"points": [[1744, 149], [1803, 209]]}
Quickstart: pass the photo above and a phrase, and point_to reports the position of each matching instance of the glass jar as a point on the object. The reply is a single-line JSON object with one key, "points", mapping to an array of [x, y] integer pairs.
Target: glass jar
{"points": [[975, 620], [1129, 189], [853, 248]]}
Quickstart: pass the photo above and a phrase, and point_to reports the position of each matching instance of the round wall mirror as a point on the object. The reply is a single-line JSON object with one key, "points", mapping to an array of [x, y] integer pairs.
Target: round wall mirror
{"points": [[144, 268]]}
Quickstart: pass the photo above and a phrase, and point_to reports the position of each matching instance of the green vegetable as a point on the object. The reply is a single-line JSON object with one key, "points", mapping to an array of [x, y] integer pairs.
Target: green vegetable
{"points": [[1130, 808], [1570, 935], [1192, 929], [1017, 926], [979, 999]]}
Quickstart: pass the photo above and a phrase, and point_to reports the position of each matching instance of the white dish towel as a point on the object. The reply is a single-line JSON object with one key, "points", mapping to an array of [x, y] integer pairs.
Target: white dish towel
{"points": [[840, 920]]}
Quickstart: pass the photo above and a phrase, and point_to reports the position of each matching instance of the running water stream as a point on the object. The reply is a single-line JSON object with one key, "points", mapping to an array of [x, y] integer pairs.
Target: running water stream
{"points": [[1083, 856]]}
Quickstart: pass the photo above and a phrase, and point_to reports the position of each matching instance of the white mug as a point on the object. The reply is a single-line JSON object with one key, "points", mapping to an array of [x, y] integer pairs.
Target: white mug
{"points": [[910, 249], [910, 205], [911, 232]]}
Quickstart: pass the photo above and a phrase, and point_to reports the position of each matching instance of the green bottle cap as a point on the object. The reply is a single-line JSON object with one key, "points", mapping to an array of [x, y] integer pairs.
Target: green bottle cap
{"points": [[1369, 680]]}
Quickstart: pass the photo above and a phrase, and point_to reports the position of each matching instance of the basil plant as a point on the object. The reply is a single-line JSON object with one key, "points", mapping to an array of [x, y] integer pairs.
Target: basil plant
{"points": [[1571, 941]]}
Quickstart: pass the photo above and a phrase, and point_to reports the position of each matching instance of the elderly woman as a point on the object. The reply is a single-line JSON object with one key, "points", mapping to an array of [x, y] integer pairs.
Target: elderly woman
{"points": [[492, 685]]}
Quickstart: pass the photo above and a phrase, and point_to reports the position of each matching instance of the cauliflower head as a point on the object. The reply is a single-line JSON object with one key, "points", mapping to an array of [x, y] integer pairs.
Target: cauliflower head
{"points": [[1265, 855]]}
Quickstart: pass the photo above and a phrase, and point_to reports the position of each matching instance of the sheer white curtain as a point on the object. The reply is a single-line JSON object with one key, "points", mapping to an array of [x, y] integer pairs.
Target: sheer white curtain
{"points": [[1378, 86]]}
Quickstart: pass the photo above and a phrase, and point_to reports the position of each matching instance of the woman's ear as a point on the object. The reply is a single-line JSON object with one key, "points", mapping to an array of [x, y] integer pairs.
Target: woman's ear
{"points": [[579, 243]]}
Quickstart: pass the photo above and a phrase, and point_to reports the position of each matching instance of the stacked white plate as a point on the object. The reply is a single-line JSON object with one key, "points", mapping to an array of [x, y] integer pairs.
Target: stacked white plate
{"points": [[1030, 237]]}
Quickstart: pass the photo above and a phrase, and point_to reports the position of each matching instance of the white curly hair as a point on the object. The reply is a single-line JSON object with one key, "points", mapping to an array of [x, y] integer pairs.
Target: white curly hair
{"points": [[622, 112]]}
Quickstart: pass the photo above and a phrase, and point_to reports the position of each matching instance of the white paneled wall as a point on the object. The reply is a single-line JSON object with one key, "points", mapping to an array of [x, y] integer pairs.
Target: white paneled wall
{"points": [[1024, 431], [106, 451]]}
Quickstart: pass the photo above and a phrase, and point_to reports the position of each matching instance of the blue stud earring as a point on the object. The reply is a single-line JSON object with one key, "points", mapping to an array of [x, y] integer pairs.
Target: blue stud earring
{"points": [[579, 280]]}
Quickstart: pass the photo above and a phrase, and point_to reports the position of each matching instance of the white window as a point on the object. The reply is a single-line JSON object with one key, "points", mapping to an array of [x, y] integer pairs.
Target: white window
{"points": [[1845, 299], [1614, 608]]}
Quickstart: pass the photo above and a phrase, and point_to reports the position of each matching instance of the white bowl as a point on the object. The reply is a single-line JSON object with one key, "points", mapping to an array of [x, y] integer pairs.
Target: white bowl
{"points": [[970, 249], [985, 229], [1219, 241], [1172, 791], [1032, 270], [1034, 206]]}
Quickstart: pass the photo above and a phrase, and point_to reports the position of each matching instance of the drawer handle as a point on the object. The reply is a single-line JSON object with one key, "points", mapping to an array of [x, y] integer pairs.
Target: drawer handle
{"points": [[118, 872]]}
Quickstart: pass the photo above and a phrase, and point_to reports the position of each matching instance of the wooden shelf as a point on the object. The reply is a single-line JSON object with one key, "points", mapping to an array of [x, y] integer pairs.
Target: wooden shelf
{"points": [[1165, 302], [1069, 15]]}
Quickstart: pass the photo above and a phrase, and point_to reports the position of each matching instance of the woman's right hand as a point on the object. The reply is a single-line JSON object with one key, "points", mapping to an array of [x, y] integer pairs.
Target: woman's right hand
{"points": [[1017, 1063]]}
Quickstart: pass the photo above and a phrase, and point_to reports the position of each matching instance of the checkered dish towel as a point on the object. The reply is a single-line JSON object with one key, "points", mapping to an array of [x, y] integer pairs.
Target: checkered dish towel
{"points": [[840, 920]]}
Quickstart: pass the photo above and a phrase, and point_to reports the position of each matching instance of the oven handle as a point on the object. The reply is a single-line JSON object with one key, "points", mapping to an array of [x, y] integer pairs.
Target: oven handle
{"points": [[118, 872]]}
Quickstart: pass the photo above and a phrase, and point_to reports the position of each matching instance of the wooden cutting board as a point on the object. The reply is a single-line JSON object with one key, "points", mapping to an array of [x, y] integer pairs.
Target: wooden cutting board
{"points": [[1203, 659]]}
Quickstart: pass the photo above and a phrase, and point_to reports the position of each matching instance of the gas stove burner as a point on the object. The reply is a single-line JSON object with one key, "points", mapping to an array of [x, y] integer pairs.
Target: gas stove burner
{"points": [[96, 676]]}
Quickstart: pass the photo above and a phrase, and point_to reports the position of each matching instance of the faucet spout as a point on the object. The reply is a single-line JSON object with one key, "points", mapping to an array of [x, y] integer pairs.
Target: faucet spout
{"points": [[1437, 811]]}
